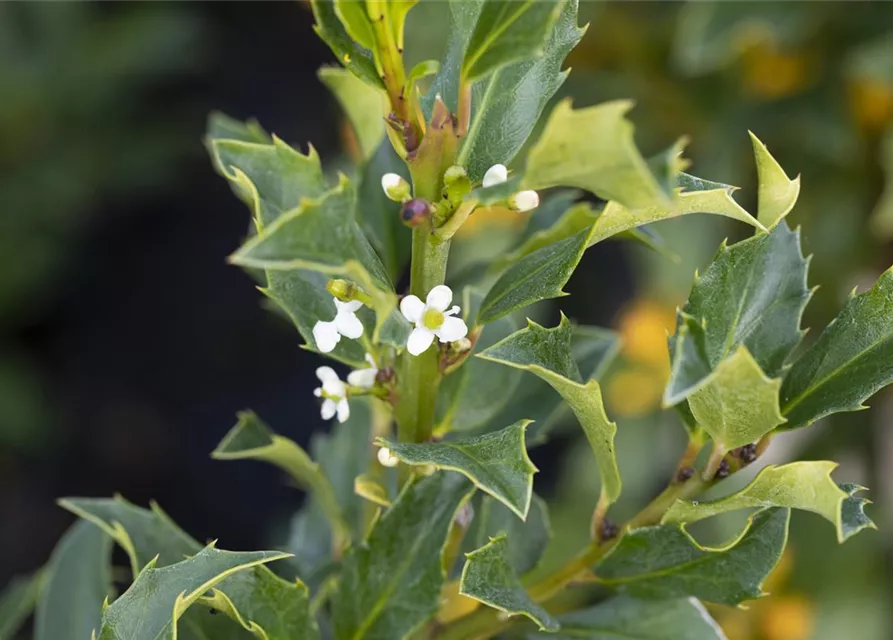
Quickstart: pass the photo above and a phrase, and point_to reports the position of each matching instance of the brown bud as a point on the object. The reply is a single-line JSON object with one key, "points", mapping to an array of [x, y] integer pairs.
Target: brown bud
{"points": [[684, 474], [384, 375], [607, 530], [723, 470], [747, 453], [415, 212]]}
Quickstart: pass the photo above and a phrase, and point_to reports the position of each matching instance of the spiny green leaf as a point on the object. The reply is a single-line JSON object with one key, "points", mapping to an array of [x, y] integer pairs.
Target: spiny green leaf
{"points": [[488, 577], [390, 584], [799, 485], [853, 518], [252, 439], [508, 31], [322, 235], [77, 581], [363, 105], [150, 608], [738, 403], [538, 276], [526, 539], [496, 462], [665, 562], [17, 601], [470, 397], [350, 54], [573, 220], [593, 149], [778, 193], [223, 127], [752, 294], [547, 354], [690, 365], [850, 361], [507, 104], [631, 619]]}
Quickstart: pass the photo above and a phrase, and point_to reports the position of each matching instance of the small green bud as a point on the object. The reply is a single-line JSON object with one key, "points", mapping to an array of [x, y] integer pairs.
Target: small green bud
{"points": [[456, 184], [342, 290], [395, 187]]}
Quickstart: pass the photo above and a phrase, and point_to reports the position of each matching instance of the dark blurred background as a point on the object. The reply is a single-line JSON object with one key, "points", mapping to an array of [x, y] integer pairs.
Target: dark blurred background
{"points": [[127, 344]]}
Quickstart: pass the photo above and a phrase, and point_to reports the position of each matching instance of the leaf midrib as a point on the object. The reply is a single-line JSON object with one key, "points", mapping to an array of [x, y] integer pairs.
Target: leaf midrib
{"points": [[496, 33]]}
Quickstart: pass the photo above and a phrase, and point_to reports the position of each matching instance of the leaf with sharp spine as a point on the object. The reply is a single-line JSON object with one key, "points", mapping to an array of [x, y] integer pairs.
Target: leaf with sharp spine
{"points": [[852, 512], [526, 539], [777, 193]]}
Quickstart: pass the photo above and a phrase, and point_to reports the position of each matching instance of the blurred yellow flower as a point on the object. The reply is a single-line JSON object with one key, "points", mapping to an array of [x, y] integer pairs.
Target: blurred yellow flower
{"points": [[787, 618], [770, 74], [643, 327], [872, 103], [635, 392]]}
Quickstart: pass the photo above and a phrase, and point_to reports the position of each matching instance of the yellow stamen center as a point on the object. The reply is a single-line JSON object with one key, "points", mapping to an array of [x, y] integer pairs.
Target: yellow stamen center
{"points": [[432, 319]]}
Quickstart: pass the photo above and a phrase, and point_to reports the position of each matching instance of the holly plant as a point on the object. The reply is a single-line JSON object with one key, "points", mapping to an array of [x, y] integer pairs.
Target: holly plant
{"points": [[420, 519]]}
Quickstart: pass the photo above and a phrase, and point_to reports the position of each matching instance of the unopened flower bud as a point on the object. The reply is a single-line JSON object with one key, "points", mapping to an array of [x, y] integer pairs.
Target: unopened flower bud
{"points": [[456, 184], [342, 289], [415, 212], [497, 174], [395, 187], [386, 458], [524, 201]]}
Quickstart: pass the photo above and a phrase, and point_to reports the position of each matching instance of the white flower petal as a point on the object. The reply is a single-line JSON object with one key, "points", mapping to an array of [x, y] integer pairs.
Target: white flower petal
{"points": [[371, 361], [390, 181], [350, 306], [326, 374], [419, 340], [386, 458], [364, 378], [327, 411], [452, 329], [334, 388], [326, 336], [343, 410], [524, 200], [412, 308], [318, 392], [497, 174], [348, 325], [439, 297]]}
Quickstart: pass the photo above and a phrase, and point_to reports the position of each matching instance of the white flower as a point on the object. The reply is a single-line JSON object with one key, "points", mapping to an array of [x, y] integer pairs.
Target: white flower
{"points": [[497, 174], [364, 378], [524, 201], [386, 458], [431, 318], [327, 334], [395, 187], [334, 394]]}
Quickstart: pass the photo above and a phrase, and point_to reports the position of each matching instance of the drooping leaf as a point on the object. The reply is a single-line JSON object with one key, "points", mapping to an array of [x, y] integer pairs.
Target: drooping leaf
{"points": [[251, 439], [850, 361], [507, 104], [496, 462], [593, 349], [470, 397], [778, 193], [158, 597], [752, 294], [593, 149], [526, 539], [537, 276], [852, 512], [77, 581], [350, 54], [738, 403], [363, 105], [663, 561], [547, 354], [798, 485], [17, 601], [632, 619], [508, 31], [390, 584], [488, 576]]}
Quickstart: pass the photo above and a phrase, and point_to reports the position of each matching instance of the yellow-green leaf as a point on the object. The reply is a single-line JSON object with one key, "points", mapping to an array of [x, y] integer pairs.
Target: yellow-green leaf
{"points": [[355, 20], [737, 404], [777, 193], [488, 577], [496, 462], [798, 485], [349, 53], [547, 354], [363, 105]]}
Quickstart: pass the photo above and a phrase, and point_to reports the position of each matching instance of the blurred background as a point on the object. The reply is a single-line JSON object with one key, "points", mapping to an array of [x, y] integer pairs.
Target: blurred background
{"points": [[127, 344]]}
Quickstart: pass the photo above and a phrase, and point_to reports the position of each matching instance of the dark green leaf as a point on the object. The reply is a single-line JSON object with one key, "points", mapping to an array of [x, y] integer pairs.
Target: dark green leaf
{"points": [[488, 576], [353, 56], [527, 539], [507, 104], [77, 582], [496, 462], [547, 354], [690, 365], [463, 18], [390, 584], [852, 512], [17, 601], [631, 619], [665, 562], [850, 361], [150, 608], [572, 221]]}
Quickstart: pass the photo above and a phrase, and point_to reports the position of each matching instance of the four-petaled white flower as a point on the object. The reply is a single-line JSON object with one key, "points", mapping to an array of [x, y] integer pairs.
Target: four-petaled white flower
{"points": [[386, 458], [327, 334], [334, 394], [431, 318], [497, 174], [363, 378]]}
